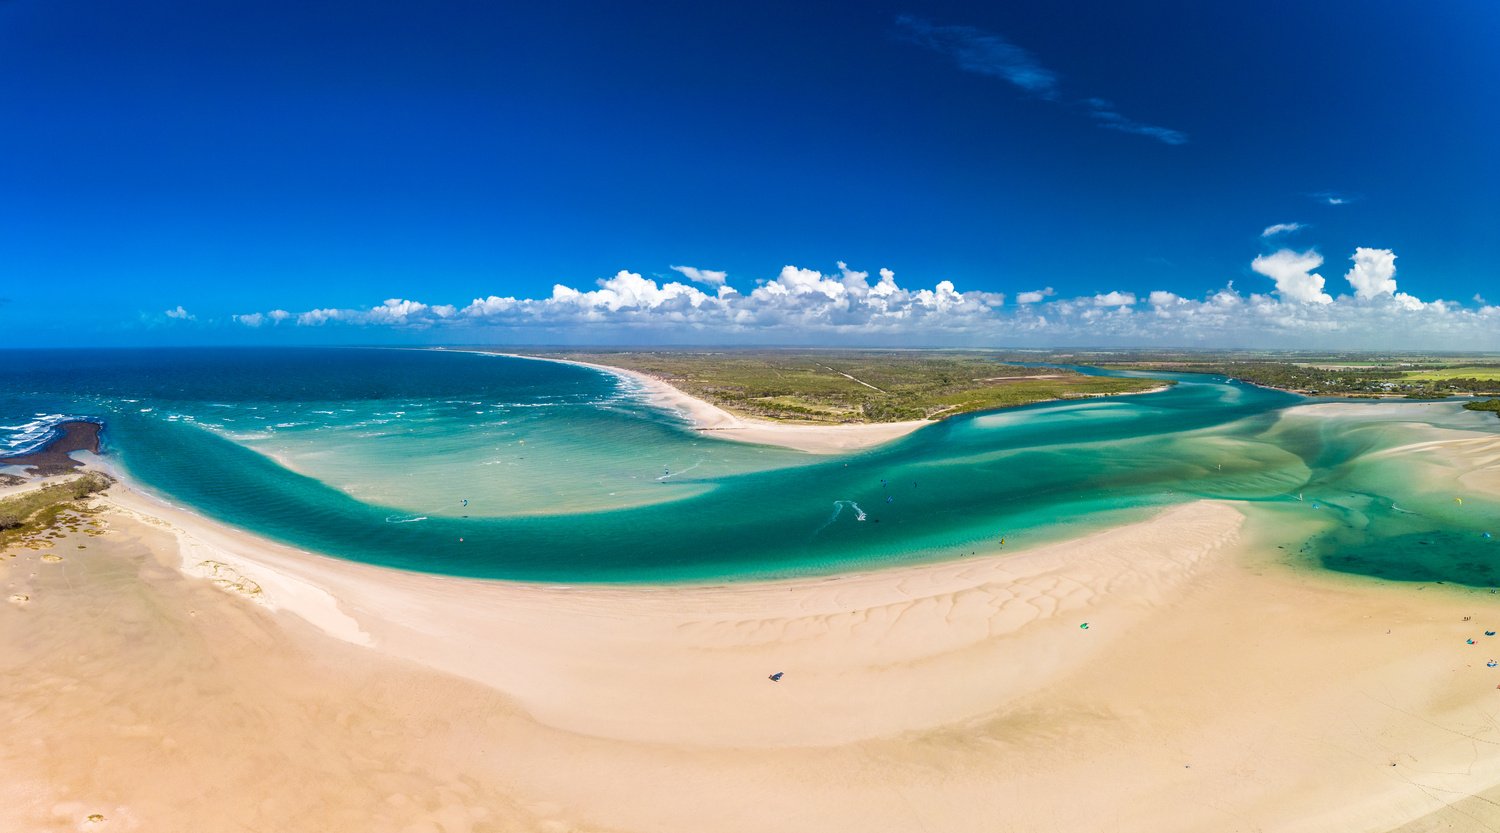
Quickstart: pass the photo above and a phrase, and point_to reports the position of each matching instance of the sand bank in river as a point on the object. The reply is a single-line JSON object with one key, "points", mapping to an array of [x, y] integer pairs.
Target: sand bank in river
{"points": [[174, 674]]}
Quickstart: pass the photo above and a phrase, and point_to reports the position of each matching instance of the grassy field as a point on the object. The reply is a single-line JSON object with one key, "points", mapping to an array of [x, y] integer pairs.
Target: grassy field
{"points": [[1443, 374], [1410, 375], [833, 386]]}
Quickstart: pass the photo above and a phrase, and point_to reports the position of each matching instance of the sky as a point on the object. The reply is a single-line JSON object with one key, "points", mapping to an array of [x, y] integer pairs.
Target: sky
{"points": [[1071, 172]]}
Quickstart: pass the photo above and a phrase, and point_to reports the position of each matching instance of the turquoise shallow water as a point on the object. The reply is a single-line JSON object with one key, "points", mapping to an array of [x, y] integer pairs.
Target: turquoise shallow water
{"points": [[369, 454]]}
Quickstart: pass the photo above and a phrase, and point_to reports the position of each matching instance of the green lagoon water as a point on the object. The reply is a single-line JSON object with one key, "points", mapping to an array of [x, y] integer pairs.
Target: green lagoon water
{"points": [[569, 476]]}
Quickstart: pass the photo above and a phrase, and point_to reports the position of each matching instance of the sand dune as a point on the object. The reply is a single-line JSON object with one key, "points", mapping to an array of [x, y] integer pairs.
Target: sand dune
{"points": [[177, 675], [865, 655]]}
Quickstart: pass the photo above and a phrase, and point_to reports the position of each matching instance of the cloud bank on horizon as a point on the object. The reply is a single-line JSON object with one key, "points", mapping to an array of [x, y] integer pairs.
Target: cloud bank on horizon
{"points": [[802, 305]]}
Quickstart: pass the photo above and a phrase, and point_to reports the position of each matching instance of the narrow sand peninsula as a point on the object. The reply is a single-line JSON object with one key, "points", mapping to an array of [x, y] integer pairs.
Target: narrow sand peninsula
{"points": [[1215, 688], [710, 418]]}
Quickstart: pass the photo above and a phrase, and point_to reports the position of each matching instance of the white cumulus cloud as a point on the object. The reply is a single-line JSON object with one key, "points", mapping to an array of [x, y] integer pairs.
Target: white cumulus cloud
{"points": [[316, 317], [256, 319], [401, 311], [180, 314], [1374, 272], [1294, 276], [800, 305], [1161, 299], [1374, 276], [1115, 299]]}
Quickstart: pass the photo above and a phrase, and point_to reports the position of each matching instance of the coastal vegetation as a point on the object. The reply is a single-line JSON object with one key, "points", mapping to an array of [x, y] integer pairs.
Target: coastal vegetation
{"points": [[39, 510], [1413, 376], [856, 386], [1489, 374], [1491, 405]]}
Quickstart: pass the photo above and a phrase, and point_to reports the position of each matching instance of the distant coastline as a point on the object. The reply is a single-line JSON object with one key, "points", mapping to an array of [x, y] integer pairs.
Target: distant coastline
{"points": [[711, 418]]}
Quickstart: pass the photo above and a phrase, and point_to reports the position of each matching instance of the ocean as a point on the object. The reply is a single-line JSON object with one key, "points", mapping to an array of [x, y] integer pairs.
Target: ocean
{"points": [[494, 467]]}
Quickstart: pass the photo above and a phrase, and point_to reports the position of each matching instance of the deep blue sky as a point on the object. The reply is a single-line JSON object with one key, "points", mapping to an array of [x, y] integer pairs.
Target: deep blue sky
{"points": [[231, 158]]}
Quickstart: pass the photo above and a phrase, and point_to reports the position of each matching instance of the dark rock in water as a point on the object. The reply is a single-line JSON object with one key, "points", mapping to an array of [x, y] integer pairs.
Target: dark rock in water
{"points": [[52, 458]]}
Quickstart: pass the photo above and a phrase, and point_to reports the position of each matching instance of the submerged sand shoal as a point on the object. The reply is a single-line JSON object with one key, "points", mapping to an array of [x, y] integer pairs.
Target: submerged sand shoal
{"points": [[174, 674]]}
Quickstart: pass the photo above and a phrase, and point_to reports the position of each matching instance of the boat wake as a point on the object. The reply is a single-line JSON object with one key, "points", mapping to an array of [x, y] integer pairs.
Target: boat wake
{"points": [[671, 474], [838, 509]]}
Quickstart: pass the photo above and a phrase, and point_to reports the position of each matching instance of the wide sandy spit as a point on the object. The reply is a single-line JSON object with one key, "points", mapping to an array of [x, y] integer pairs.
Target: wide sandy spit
{"points": [[166, 673]]}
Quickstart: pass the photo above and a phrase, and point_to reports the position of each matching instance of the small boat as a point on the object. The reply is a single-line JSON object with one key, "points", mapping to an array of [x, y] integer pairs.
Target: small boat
{"points": [[776, 678]]}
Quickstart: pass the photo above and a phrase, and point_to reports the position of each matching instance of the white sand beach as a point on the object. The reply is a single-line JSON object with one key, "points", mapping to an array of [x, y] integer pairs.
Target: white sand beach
{"points": [[169, 673], [711, 419]]}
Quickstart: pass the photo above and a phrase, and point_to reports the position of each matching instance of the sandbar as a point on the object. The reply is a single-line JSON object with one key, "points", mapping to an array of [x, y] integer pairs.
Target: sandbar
{"points": [[172, 673]]}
